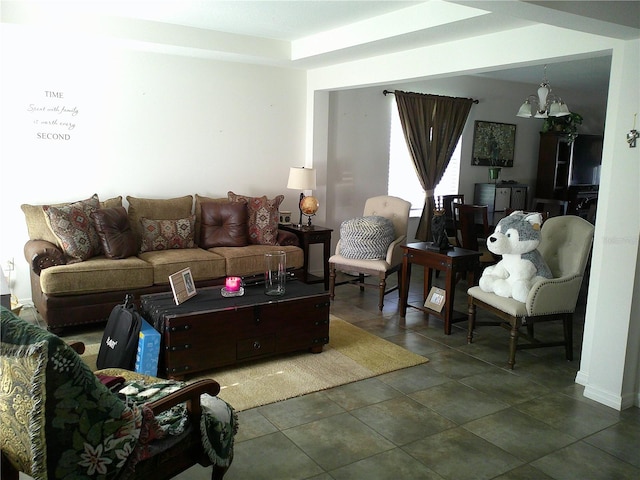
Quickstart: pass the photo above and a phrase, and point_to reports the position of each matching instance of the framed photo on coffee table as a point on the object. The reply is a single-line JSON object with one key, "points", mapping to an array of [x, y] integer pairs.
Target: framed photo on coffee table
{"points": [[182, 285]]}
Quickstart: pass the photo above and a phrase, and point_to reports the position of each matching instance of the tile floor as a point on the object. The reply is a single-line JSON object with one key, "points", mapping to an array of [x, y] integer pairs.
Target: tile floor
{"points": [[462, 415]]}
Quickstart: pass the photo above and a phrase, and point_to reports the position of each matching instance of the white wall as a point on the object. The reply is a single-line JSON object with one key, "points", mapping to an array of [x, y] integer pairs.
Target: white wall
{"points": [[358, 138], [609, 366], [148, 125]]}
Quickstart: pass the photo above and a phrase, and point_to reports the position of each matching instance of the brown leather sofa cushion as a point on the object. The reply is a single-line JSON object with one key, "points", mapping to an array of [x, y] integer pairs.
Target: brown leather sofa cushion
{"points": [[224, 224], [117, 237]]}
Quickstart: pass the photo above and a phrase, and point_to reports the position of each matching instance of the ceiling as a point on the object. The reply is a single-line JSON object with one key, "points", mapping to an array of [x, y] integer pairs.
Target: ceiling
{"points": [[295, 19], [309, 29], [280, 20]]}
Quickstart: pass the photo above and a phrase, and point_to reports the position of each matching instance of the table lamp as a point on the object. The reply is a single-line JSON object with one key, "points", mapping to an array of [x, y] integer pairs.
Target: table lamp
{"points": [[301, 178]]}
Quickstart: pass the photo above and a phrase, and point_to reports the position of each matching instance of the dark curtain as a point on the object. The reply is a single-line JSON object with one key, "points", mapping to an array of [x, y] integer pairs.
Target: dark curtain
{"points": [[432, 126]]}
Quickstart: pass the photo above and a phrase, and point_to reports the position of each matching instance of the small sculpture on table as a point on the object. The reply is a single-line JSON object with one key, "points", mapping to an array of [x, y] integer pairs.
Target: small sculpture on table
{"points": [[438, 227]]}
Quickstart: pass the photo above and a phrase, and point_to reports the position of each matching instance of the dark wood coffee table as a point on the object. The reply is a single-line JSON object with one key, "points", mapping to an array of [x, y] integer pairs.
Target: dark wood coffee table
{"points": [[210, 331]]}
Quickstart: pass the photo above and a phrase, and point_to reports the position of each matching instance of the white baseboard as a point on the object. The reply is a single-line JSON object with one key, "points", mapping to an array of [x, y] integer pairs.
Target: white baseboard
{"points": [[582, 379]]}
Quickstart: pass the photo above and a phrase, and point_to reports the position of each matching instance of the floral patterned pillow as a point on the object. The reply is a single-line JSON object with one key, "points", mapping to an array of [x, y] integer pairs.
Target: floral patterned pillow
{"points": [[23, 376], [73, 226], [167, 234], [263, 217]]}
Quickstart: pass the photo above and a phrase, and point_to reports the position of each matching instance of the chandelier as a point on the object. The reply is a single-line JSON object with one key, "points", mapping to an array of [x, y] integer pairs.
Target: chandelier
{"points": [[546, 103]]}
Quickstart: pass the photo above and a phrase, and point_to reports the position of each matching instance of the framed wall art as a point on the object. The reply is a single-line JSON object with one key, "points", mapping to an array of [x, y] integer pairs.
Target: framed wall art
{"points": [[493, 144]]}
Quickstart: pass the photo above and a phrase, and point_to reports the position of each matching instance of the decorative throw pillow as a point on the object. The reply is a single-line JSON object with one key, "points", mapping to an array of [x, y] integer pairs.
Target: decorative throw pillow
{"points": [[167, 209], [366, 237], [73, 226], [24, 378], [223, 224], [262, 217], [197, 210], [167, 234], [116, 236], [37, 224]]}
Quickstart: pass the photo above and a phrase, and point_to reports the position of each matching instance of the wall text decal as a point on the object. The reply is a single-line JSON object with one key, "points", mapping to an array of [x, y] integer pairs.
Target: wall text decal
{"points": [[54, 120]]}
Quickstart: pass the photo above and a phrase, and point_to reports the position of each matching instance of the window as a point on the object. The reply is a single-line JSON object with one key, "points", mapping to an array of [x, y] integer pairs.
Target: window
{"points": [[403, 181]]}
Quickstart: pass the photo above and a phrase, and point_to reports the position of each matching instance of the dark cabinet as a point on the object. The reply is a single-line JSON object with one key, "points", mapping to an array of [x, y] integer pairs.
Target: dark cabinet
{"points": [[569, 170]]}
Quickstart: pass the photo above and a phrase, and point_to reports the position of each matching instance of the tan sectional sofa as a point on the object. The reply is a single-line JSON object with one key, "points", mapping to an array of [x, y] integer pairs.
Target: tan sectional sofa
{"points": [[139, 248]]}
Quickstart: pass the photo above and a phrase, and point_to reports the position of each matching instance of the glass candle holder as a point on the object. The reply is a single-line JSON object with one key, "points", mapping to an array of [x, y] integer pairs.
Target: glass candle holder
{"points": [[232, 287], [233, 284]]}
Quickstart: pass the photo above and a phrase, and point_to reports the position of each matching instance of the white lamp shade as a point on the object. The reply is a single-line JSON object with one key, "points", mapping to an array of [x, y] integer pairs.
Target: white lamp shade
{"points": [[301, 178], [525, 110], [554, 109], [564, 110]]}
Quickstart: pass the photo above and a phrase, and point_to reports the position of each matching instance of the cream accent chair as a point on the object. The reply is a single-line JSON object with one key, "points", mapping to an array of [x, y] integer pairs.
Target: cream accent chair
{"points": [[397, 210], [565, 245]]}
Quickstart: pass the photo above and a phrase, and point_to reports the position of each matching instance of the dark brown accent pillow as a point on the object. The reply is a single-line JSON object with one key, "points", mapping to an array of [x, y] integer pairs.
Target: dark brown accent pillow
{"points": [[224, 224], [117, 237]]}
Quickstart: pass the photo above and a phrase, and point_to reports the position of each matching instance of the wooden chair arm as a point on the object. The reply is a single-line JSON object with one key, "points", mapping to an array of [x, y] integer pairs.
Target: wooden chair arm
{"points": [[77, 347], [189, 393]]}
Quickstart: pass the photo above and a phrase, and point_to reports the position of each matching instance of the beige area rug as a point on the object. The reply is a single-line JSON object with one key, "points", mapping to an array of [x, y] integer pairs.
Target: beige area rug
{"points": [[351, 355]]}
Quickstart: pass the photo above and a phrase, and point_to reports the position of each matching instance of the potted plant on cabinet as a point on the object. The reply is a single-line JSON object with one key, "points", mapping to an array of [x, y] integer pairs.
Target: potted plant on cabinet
{"points": [[567, 124]]}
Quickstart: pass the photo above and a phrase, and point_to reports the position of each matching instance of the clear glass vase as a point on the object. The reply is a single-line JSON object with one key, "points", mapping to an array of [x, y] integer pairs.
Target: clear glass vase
{"points": [[275, 273]]}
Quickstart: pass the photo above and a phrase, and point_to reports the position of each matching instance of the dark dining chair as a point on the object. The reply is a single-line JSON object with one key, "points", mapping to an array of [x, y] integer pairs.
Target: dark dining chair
{"points": [[447, 200], [551, 206], [472, 230]]}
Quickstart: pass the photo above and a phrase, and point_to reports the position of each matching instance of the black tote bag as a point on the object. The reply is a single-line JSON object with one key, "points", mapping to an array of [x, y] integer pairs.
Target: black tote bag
{"points": [[120, 339]]}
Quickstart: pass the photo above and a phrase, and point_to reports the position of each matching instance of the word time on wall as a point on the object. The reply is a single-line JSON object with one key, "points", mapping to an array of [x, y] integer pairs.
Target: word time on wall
{"points": [[53, 118]]}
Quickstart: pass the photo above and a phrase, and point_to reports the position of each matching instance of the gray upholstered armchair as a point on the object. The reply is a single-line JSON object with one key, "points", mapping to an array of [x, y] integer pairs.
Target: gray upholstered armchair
{"points": [[395, 209], [565, 245]]}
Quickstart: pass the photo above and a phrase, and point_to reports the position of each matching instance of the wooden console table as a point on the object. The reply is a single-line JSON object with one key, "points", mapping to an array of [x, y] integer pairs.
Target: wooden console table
{"points": [[308, 235], [452, 262]]}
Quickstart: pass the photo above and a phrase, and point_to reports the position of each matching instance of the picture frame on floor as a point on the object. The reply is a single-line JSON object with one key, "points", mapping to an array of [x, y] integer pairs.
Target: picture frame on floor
{"points": [[436, 299]]}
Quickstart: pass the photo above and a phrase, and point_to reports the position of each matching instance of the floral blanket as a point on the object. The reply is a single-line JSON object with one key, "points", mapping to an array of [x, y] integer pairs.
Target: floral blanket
{"points": [[57, 420], [218, 424]]}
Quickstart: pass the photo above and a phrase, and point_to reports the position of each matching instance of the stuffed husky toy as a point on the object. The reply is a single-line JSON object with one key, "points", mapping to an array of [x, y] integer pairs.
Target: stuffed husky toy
{"points": [[516, 239]]}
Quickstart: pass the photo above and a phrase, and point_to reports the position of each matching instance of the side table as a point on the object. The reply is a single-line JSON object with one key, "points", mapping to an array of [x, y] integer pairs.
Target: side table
{"points": [[452, 262], [308, 235]]}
